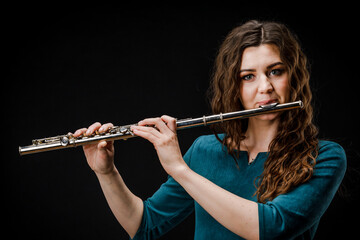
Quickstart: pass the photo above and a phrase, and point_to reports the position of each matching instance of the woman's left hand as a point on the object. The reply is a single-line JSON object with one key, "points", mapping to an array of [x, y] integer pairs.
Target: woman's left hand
{"points": [[163, 136]]}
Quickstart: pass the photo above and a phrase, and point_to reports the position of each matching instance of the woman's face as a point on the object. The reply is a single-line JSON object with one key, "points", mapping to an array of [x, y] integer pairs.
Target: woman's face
{"points": [[264, 78]]}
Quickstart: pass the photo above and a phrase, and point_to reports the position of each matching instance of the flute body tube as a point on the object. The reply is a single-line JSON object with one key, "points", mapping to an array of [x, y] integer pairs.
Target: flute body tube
{"points": [[124, 132]]}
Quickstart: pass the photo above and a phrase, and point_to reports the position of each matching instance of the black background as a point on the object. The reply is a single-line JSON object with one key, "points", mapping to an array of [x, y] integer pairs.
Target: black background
{"points": [[68, 67]]}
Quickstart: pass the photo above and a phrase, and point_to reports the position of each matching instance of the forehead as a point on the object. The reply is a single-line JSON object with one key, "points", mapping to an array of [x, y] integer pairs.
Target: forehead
{"points": [[260, 56]]}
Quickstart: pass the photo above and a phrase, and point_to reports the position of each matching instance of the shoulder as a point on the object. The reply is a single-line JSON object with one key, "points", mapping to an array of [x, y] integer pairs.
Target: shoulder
{"points": [[332, 157], [331, 149]]}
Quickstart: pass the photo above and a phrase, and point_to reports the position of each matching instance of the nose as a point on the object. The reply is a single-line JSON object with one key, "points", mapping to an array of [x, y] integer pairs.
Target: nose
{"points": [[265, 85]]}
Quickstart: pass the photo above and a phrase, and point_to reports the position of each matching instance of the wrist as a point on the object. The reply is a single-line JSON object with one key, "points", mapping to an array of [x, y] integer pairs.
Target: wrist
{"points": [[107, 176], [104, 169], [180, 172]]}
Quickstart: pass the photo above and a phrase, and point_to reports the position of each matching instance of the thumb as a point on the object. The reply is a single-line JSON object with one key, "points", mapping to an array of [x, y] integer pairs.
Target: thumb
{"points": [[101, 145], [104, 145]]}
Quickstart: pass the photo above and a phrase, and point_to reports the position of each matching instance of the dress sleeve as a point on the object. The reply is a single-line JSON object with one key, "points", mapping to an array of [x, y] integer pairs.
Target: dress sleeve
{"points": [[291, 214], [169, 206]]}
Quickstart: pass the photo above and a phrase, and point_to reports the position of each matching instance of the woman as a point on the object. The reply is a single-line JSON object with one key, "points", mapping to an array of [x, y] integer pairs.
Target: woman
{"points": [[265, 177]]}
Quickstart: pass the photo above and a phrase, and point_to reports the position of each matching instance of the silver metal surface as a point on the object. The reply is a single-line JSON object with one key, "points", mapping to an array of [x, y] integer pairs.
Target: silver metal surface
{"points": [[124, 132]]}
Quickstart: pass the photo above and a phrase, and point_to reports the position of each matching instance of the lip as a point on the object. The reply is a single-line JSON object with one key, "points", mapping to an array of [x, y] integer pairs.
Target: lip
{"points": [[266, 102]]}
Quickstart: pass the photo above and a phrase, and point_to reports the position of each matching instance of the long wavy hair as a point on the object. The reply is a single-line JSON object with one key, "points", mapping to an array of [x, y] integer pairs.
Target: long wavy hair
{"points": [[293, 151]]}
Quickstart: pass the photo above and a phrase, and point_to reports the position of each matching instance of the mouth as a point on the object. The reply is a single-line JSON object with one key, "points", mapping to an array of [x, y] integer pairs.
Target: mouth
{"points": [[266, 102]]}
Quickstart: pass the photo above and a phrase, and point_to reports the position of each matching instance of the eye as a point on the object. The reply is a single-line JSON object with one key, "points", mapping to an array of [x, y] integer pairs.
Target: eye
{"points": [[247, 77], [276, 72]]}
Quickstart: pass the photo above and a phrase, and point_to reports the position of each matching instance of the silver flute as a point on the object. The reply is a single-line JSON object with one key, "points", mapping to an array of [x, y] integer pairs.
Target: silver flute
{"points": [[124, 132]]}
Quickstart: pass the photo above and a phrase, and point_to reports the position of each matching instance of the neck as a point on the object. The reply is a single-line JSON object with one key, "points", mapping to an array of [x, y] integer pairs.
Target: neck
{"points": [[260, 133]]}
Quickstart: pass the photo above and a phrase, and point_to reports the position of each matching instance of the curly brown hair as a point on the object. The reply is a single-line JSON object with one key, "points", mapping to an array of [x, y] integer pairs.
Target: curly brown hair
{"points": [[292, 153]]}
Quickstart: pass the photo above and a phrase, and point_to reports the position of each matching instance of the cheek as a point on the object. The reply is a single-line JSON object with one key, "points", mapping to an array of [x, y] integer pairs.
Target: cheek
{"points": [[241, 92], [247, 93], [283, 89]]}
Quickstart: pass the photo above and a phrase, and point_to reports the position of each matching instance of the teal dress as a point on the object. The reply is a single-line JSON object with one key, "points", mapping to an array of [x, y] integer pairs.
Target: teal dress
{"points": [[294, 215]]}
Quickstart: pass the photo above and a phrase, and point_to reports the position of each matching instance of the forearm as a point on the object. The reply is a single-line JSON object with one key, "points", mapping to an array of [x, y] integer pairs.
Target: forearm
{"points": [[127, 208], [237, 214]]}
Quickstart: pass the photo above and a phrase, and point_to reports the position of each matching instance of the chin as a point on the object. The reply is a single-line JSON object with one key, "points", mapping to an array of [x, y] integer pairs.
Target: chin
{"points": [[268, 116]]}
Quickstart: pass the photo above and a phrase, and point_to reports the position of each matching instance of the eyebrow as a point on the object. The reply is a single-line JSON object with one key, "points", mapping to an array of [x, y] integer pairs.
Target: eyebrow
{"points": [[268, 67]]}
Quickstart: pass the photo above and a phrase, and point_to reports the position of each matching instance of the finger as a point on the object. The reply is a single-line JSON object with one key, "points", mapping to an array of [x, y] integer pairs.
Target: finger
{"points": [[102, 144], [170, 122], [79, 132], [105, 127], [94, 127], [105, 145], [150, 130], [147, 133], [148, 122], [157, 122]]}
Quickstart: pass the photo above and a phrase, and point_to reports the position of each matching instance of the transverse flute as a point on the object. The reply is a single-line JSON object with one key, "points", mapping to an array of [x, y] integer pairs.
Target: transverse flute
{"points": [[124, 132]]}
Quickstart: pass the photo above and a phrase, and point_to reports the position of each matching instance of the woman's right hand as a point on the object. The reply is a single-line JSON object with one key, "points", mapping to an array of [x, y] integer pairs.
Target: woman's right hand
{"points": [[99, 155]]}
